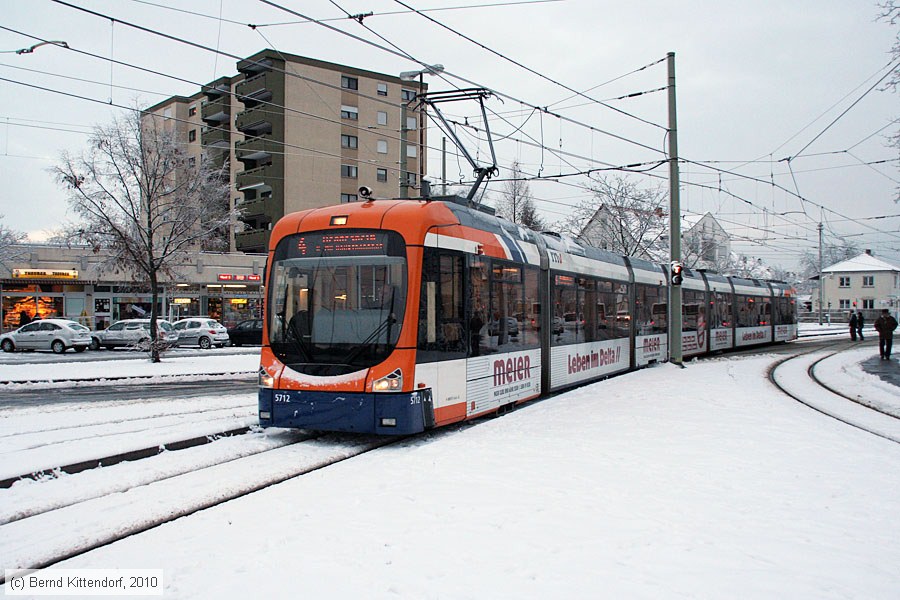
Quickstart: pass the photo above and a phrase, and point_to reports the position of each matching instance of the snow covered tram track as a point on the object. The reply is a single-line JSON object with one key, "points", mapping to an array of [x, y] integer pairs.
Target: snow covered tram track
{"points": [[49, 538], [114, 459], [98, 450], [31, 498], [795, 377], [92, 432], [118, 421]]}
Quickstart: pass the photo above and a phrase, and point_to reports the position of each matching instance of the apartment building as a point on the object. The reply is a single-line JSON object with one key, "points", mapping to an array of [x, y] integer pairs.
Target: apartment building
{"points": [[300, 133]]}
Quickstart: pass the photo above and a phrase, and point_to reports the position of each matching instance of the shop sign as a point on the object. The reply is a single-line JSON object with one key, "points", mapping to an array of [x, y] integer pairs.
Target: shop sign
{"points": [[45, 274], [181, 301], [233, 277]]}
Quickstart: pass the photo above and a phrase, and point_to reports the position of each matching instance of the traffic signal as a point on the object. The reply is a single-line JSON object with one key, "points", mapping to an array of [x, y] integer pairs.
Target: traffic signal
{"points": [[677, 273]]}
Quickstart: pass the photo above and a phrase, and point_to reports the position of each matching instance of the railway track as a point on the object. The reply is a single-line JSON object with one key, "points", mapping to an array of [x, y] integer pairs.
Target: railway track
{"points": [[52, 534], [796, 377]]}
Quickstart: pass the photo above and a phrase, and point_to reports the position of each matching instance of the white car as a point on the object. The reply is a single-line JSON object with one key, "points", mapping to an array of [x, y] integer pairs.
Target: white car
{"points": [[133, 333], [201, 331], [48, 334]]}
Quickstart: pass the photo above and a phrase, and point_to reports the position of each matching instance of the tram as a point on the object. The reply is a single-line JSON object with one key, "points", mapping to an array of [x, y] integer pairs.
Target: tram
{"points": [[397, 316]]}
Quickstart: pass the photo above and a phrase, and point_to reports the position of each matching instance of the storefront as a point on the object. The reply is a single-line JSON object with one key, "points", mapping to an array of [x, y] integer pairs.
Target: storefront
{"points": [[40, 294], [227, 287]]}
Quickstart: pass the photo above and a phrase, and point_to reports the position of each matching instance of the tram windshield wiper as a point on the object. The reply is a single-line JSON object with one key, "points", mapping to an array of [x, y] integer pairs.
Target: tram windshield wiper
{"points": [[384, 326]]}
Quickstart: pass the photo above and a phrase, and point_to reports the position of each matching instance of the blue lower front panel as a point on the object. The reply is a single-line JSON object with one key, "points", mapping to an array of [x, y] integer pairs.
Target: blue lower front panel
{"points": [[386, 414]]}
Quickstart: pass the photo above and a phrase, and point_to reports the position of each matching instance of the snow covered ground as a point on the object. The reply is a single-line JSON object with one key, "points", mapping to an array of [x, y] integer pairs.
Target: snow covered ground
{"points": [[702, 482]]}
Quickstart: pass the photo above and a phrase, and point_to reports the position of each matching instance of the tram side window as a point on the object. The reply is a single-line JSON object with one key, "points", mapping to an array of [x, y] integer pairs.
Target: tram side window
{"points": [[564, 310], [693, 310], [651, 309], [613, 316], [528, 314], [507, 299], [720, 310], [441, 307], [479, 305], [748, 311]]}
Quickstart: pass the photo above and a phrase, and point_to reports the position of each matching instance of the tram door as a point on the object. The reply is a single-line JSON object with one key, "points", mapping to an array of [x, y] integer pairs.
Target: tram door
{"points": [[443, 333]]}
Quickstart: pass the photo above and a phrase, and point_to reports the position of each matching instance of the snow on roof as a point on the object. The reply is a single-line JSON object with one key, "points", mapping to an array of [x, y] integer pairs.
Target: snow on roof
{"points": [[863, 262]]}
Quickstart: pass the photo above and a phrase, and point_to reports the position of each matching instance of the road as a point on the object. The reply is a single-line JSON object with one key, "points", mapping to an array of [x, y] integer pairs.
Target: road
{"points": [[176, 390]]}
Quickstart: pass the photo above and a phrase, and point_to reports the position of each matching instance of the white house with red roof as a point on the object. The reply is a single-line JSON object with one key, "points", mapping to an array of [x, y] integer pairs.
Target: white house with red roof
{"points": [[864, 283]]}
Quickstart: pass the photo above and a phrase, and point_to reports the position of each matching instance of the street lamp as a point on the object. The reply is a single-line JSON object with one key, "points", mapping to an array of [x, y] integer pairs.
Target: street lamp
{"points": [[420, 75]]}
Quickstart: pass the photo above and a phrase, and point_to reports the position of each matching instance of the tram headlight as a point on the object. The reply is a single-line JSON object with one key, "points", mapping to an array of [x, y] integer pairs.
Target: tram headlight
{"points": [[389, 383], [265, 380]]}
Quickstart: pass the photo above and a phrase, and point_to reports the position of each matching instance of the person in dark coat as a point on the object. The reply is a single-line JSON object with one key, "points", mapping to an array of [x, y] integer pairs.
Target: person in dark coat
{"points": [[885, 325], [860, 321], [853, 327]]}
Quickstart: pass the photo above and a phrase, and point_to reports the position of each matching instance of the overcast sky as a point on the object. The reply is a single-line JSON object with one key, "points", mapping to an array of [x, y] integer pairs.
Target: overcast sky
{"points": [[756, 81]]}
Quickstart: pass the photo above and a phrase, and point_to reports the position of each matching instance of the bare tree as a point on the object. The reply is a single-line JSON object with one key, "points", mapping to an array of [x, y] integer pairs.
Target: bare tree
{"points": [[832, 253], [516, 202], [622, 217], [9, 238], [143, 201]]}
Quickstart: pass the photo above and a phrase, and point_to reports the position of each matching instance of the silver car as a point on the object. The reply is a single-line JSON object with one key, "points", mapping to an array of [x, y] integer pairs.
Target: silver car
{"points": [[201, 331], [48, 334], [134, 333]]}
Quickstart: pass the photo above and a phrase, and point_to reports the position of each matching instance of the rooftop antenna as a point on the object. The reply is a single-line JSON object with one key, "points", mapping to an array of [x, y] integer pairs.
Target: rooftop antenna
{"points": [[481, 172]]}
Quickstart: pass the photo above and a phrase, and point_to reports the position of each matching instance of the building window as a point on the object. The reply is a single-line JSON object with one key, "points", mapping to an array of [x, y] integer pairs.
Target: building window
{"points": [[345, 198], [192, 161], [349, 141], [349, 171], [381, 174], [407, 95], [843, 304], [411, 151], [167, 113], [382, 117], [381, 146], [868, 281], [192, 111], [411, 123], [349, 112], [192, 135], [868, 303], [349, 83], [844, 282], [410, 179], [382, 89]]}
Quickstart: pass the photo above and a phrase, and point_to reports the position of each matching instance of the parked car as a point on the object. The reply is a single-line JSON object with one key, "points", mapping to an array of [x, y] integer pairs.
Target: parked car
{"points": [[133, 333], [48, 334], [246, 332], [201, 331]]}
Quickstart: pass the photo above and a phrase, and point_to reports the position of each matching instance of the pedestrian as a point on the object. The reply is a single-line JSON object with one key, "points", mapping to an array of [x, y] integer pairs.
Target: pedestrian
{"points": [[853, 326], [885, 325], [860, 321]]}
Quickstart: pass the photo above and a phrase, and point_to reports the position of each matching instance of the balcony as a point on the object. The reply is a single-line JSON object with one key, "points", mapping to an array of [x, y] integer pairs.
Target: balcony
{"points": [[217, 111], [257, 89], [250, 67], [216, 136], [254, 209], [255, 178], [218, 88], [257, 150], [254, 240], [258, 121]]}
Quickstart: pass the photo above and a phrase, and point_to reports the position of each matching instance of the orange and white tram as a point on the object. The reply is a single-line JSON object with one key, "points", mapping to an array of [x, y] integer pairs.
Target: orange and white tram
{"points": [[395, 316]]}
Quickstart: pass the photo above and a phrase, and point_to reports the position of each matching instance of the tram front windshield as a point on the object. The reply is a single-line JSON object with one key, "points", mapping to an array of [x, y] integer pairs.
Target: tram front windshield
{"points": [[336, 300]]}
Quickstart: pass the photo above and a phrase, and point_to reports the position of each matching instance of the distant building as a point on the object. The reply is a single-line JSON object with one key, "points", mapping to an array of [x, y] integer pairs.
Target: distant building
{"points": [[704, 242], [299, 133], [863, 282]]}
